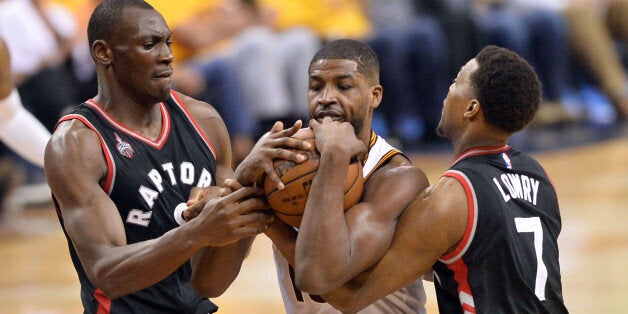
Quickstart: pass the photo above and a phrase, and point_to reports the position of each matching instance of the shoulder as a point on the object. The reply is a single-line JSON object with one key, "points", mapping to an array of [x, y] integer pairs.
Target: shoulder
{"points": [[198, 109], [74, 145], [205, 115], [396, 182], [444, 204], [210, 123], [401, 170]]}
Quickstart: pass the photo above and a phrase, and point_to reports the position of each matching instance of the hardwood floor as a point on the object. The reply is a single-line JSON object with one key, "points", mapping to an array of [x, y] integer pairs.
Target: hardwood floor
{"points": [[36, 275]]}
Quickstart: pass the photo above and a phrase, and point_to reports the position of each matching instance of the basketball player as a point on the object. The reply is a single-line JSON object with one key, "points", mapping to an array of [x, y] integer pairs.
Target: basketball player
{"points": [[121, 167], [489, 226], [333, 247], [19, 129]]}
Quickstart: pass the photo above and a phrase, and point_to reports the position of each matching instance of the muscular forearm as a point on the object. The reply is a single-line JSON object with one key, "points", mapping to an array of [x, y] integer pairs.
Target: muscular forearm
{"points": [[215, 268], [122, 270], [322, 254]]}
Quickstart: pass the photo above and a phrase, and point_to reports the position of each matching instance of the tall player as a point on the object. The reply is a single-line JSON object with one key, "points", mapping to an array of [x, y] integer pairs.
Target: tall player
{"points": [[121, 167], [334, 247], [489, 226]]}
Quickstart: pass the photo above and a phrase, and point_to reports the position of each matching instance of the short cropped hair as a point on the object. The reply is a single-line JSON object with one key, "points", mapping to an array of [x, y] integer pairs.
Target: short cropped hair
{"points": [[507, 87], [362, 54], [108, 14]]}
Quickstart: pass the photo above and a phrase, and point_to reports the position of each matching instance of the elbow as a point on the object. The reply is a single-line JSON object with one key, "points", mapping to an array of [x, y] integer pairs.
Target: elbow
{"points": [[211, 286], [312, 281], [110, 290], [107, 283], [209, 291]]}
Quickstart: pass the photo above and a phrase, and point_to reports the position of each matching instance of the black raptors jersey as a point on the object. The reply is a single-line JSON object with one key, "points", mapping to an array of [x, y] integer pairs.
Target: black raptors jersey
{"points": [[147, 179], [507, 261]]}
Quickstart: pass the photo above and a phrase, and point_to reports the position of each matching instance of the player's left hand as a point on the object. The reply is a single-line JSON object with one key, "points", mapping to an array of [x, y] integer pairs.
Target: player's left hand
{"points": [[337, 137]]}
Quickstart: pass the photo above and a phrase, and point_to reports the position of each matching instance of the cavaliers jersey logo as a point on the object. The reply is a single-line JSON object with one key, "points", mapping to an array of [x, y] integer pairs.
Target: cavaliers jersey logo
{"points": [[124, 148]]}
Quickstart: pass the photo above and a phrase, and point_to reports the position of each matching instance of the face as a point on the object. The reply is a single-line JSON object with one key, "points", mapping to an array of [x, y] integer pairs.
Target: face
{"points": [[459, 96], [338, 90], [142, 57]]}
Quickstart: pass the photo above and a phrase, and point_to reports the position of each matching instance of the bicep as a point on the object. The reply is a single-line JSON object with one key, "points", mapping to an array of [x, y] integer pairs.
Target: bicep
{"points": [[373, 221], [74, 167]]}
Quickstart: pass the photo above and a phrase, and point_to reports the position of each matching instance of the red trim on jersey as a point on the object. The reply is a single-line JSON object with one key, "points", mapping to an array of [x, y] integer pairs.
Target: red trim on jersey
{"points": [[471, 220], [453, 260], [104, 302], [182, 105], [157, 143], [461, 276], [111, 167], [476, 151]]}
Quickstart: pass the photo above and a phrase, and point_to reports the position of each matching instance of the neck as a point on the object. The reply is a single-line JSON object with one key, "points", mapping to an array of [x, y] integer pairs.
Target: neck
{"points": [[143, 119], [487, 138]]}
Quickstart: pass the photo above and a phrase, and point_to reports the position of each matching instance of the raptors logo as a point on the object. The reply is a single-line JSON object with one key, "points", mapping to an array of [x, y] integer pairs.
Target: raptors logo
{"points": [[124, 148]]}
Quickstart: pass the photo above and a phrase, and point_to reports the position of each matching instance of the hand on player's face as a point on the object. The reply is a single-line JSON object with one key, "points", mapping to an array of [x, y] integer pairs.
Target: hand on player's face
{"points": [[277, 144], [338, 137], [237, 215]]}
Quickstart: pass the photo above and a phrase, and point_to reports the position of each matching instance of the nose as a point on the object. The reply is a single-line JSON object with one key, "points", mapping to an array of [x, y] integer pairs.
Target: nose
{"points": [[327, 97], [165, 54]]}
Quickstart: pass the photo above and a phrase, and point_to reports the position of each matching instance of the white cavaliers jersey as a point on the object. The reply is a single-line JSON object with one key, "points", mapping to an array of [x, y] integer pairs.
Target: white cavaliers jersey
{"points": [[410, 299]]}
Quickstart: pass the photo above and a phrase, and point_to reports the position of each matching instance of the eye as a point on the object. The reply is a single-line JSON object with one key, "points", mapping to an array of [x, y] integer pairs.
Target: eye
{"points": [[148, 45], [344, 87], [315, 87], [169, 42]]}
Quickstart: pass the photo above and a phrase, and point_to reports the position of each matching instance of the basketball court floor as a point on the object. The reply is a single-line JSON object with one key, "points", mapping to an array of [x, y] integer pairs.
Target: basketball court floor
{"points": [[36, 275]]}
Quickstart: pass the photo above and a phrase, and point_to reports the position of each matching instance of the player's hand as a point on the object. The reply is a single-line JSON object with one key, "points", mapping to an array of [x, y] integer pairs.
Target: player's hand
{"points": [[198, 198], [337, 137], [227, 219], [276, 144]]}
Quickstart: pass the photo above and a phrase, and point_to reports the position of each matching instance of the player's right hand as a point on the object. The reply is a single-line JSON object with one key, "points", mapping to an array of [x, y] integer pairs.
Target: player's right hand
{"points": [[227, 219]]}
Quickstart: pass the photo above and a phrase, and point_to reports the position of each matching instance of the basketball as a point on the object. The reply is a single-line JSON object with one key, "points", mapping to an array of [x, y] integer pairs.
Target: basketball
{"points": [[288, 204]]}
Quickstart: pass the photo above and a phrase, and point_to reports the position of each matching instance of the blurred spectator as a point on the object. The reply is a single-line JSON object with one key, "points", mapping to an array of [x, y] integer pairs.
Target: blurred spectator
{"points": [[599, 32], [39, 38], [227, 53], [412, 49], [539, 35], [19, 129]]}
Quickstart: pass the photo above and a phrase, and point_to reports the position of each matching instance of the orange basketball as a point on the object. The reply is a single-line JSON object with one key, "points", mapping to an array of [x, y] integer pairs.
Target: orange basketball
{"points": [[289, 203]]}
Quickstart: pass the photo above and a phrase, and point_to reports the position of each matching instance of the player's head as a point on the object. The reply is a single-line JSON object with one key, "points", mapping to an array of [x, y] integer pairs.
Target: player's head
{"points": [[130, 44], [507, 87], [344, 83], [107, 15], [498, 81]]}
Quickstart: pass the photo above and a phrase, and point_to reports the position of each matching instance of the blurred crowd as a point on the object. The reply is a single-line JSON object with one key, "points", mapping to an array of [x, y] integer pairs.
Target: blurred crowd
{"points": [[249, 58]]}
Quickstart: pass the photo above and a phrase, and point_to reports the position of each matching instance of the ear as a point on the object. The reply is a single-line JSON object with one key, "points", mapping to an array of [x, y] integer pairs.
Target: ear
{"points": [[101, 52], [376, 93], [473, 109]]}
